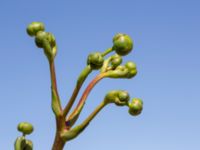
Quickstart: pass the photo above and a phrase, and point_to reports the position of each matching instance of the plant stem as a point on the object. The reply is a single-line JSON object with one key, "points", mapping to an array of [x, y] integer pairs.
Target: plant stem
{"points": [[53, 82], [58, 142], [93, 114], [74, 132], [86, 71], [85, 95], [107, 51], [60, 120]]}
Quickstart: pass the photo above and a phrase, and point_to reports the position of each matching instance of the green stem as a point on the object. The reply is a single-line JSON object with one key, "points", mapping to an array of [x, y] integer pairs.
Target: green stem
{"points": [[86, 71], [84, 74], [107, 51], [56, 106], [93, 114], [73, 133], [54, 85], [105, 64], [83, 98], [58, 142]]}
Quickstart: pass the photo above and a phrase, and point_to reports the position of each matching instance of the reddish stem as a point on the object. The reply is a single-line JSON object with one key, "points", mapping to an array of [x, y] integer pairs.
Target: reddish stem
{"points": [[53, 81], [86, 93]]}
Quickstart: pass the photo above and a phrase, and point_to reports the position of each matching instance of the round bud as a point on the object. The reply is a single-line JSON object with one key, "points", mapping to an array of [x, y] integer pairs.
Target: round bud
{"points": [[119, 72], [111, 96], [51, 39], [41, 38], [119, 97], [131, 66], [35, 27], [95, 60], [29, 145], [123, 98], [122, 44], [25, 127], [121, 68], [116, 60], [135, 107]]}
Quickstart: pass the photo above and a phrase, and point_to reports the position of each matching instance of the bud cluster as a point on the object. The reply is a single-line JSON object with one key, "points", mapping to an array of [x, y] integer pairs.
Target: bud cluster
{"points": [[110, 67], [119, 97], [21, 143], [128, 70], [45, 40]]}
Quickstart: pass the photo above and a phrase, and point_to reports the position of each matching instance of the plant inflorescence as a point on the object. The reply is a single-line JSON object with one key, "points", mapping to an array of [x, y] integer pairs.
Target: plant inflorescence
{"points": [[109, 67]]}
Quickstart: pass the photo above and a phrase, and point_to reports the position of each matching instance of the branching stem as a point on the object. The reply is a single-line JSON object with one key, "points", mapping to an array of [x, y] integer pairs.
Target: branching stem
{"points": [[79, 84], [85, 95], [74, 132]]}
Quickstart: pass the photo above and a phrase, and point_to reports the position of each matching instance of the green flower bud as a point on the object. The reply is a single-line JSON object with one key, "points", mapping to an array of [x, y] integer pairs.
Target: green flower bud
{"points": [[122, 44], [131, 66], [116, 60], [35, 27], [111, 96], [95, 60], [29, 145], [20, 143], [51, 39], [119, 97], [46, 41], [41, 39], [135, 107], [123, 98], [25, 128], [119, 72]]}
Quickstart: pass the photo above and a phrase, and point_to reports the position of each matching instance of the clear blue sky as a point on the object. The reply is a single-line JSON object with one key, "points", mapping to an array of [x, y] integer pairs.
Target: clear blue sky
{"points": [[167, 53]]}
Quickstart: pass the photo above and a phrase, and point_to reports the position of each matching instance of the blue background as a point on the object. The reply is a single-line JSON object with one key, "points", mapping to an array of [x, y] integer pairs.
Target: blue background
{"points": [[167, 54]]}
